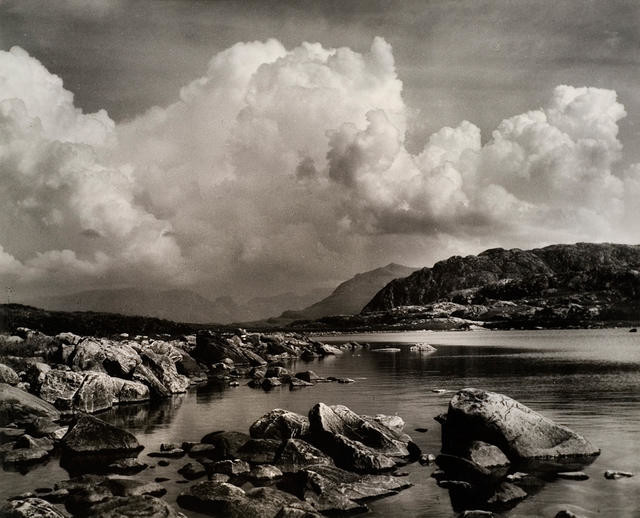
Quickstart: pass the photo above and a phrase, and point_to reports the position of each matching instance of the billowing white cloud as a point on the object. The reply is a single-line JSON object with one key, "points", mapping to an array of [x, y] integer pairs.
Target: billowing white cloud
{"points": [[284, 167]]}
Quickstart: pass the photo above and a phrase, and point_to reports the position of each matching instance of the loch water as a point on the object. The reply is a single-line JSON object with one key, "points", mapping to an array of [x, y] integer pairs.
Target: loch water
{"points": [[588, 380]]}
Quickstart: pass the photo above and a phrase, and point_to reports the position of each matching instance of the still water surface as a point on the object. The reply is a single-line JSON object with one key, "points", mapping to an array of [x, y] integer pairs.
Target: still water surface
{"points": [[588, 380]]}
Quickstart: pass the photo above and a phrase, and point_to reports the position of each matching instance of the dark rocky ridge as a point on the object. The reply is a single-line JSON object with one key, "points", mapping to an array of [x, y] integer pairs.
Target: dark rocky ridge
{"points": [[581, 282]]}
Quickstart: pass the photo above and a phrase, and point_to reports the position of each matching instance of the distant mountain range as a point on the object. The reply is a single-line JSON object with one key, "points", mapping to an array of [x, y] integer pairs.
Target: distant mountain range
{"points": [[187, 306], [178, 305]]}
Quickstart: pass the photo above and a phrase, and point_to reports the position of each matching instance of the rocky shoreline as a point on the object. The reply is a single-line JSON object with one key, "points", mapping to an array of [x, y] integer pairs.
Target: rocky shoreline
{"points": [[330, 461]]}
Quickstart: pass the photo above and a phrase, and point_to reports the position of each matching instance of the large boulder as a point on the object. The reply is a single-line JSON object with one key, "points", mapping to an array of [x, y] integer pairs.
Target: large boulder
{"points": [[145, 375], [120, 358], [165, 370], [229, 501], [89, 355], [518, 431], [358, 443], [132, 391], [8, 375], [280, 424], [212, 348], [92, 435], [59, 387], [190, 368], [98, 392], [18, 405], [30, 508], [133, 507]]}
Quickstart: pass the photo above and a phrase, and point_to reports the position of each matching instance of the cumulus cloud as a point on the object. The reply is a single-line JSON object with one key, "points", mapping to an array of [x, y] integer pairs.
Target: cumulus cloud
{"points": [[279, 168]]}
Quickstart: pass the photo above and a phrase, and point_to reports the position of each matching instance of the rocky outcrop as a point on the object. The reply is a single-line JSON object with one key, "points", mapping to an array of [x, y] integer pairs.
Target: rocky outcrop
{"points": [[557, 284], [518, 431]]}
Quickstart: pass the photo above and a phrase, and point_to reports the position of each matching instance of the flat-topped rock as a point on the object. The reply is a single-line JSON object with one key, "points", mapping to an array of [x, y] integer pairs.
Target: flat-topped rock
{"points": [[92, 435]]}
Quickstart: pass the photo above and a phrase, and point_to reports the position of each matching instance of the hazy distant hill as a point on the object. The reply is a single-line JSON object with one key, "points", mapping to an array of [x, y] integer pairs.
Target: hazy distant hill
{"points": [[177, 305], [352, 295]]}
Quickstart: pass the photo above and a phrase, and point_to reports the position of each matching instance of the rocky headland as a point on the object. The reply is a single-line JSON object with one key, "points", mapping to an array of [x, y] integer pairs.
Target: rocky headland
{"points": [[559, 286]]}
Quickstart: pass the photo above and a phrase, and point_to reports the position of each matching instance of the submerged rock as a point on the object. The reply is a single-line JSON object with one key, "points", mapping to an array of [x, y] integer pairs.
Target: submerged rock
{"points": [[573, 475], [518, 431], [614, 475]]}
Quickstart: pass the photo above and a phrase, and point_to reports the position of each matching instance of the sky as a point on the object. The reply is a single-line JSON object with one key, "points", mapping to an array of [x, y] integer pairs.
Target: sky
{"points": [[254, 148]]}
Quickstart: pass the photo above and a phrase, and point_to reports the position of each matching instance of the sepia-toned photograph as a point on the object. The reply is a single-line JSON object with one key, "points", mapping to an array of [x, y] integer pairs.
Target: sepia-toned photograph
{"points": [[305, 259]]}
